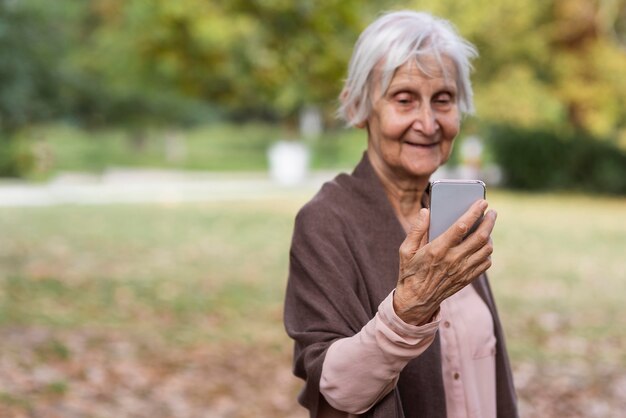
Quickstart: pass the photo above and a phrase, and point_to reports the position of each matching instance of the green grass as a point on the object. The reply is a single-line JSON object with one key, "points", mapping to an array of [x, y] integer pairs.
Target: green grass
{"points": [[560, 276], [136, 300], [214, 147], [184, 272], [217, 271]]}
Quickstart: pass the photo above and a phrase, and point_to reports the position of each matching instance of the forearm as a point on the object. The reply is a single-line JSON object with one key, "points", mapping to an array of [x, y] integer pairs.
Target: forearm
{"points": [[360, 370]]}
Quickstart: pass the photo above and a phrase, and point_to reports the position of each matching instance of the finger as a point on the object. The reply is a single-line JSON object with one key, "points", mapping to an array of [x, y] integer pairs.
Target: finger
{"points": [[468, 270], [417, 235], [426, 225], [471, 262], [482, 254], [479, 269], [455, 234], [482, 235]]}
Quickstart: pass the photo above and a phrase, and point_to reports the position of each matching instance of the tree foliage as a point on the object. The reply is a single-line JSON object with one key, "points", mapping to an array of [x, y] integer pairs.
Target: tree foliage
{"points": [[254, 58], [33, 37], [552, 63], [134, 62]]}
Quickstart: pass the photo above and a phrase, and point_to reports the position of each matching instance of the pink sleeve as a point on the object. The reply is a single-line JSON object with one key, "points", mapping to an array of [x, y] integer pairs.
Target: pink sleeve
{"points": [[360, 370]]}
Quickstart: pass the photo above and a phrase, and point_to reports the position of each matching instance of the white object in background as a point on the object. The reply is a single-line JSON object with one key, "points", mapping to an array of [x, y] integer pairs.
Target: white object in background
{"points": [[471, 158], [472, 148], [289, 162], [311, 124]]}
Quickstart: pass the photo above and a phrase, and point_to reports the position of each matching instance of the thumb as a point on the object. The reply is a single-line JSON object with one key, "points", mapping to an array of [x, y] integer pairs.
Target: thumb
{"points": [[417, 236]]}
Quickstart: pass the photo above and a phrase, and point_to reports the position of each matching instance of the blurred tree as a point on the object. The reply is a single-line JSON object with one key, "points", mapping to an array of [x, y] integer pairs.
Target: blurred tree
{"points": [[308, 44], [255, 58], [588, 63], [143, 62], [556, 62], [119, 85], [33, 38]]}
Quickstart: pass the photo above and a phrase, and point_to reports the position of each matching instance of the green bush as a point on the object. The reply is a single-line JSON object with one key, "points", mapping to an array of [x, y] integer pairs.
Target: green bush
{"points": [[545, 159], [17, 158], [43, 150]]}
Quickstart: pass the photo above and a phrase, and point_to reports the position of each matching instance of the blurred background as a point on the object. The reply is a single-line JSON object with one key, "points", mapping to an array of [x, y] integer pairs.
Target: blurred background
{"points": [[153, 154]]}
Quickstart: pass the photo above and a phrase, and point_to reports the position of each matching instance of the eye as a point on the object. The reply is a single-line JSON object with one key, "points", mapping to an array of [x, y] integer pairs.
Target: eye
{"points": [[403, 99], [443, 99]]}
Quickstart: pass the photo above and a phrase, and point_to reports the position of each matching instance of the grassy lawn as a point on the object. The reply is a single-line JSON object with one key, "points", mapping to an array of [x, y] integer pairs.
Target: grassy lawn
{"points": [[213, 147], [176, 310]]}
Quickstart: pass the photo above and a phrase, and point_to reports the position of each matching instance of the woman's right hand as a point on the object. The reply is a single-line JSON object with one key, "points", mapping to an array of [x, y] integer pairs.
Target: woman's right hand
{"points": [[432, 272]]}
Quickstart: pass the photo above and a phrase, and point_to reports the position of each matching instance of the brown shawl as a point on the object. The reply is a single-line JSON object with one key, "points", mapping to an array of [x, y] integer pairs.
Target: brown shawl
{"points": [[343, 263]]}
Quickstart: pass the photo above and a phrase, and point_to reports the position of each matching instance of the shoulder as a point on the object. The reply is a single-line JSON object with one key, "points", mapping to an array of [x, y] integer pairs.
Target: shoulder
{"points": [[323, 244], [331, 207]]}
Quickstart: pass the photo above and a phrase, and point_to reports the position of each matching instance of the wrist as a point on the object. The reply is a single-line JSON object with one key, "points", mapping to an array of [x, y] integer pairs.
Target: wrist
{"points": [[416, 314]]}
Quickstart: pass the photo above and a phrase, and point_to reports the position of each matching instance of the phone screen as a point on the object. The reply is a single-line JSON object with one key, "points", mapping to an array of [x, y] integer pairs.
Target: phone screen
{"points": [[449, 199]]}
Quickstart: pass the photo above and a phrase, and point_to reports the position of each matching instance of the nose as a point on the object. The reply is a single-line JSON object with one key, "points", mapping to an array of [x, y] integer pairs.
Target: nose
{"points": [[425, 120]]}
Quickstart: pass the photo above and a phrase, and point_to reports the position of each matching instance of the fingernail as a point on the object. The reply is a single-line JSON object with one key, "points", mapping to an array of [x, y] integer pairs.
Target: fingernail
{"points": [[483, 205]]}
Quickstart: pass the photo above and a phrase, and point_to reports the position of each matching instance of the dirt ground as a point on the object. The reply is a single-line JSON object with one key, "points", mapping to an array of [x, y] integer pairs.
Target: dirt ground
{"points": [[47, 373]]}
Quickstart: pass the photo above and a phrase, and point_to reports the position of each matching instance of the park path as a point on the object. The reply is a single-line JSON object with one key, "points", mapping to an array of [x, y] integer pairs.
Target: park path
{"points": [[124, 186]]}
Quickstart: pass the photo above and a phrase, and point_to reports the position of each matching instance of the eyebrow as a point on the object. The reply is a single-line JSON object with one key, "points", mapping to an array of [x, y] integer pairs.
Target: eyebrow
{"points": [[407, 85]]}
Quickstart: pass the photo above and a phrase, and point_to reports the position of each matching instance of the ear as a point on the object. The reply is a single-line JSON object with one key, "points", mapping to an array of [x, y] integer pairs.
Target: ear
{"points": [[362, 124], [351, 110]]}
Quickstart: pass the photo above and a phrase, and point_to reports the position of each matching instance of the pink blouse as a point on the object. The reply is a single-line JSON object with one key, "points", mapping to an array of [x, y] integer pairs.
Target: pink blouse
{"points": [[360, 370]]}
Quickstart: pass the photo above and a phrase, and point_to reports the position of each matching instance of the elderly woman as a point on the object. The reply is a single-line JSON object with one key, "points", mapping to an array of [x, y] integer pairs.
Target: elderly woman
{"points": [[385, 323]]}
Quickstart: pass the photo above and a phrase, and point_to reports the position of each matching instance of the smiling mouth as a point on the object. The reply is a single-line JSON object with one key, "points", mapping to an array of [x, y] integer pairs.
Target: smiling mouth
{"points": [[423, 146]]}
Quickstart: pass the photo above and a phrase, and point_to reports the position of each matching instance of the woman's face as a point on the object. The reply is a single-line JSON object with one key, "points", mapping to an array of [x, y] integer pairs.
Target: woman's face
{"points": [[412, 125]]}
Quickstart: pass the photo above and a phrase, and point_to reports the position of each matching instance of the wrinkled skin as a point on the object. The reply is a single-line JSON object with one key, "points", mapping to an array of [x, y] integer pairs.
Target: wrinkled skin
{"points": [[411, 129], [432, 272]]}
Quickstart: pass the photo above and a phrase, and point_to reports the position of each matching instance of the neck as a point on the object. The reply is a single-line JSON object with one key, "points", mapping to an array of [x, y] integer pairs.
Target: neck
{"points": [[405, 194]]}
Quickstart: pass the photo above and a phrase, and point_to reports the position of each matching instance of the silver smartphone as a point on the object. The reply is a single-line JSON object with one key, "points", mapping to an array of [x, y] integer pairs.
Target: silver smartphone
{"points": [[449, 199]]}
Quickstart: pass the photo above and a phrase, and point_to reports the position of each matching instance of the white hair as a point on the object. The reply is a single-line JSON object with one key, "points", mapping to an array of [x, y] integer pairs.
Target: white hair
{"points": [[392, 40]]}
